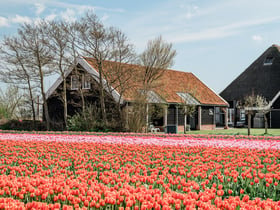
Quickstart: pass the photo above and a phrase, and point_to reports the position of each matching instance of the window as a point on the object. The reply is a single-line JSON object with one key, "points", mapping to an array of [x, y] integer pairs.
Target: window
{"points": [[75, 83], [86, 82], [268, 61], [242, 115]]}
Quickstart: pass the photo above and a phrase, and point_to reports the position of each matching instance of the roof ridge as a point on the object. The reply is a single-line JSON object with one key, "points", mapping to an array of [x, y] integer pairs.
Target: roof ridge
{"points": [[277, 46], [135, 64]]}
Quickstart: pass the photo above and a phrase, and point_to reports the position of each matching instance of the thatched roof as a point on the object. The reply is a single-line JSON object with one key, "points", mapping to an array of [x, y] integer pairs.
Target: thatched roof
{"points": [[262, 77]]}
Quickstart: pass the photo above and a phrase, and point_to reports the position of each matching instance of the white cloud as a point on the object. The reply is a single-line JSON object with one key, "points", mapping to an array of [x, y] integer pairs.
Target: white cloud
{"points": [[50, 17], [188, 21], [206, 34], [69, 15], [105, 17], [21, 19], [257, 38], [4, 22], [39, 8], [82, 8], [181, 32], [220, 31]]}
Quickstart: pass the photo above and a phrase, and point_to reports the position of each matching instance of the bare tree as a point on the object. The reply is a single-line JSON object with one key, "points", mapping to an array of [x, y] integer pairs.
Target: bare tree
{"points": [[157, 57], [187, 110], [60, 45], [136, 120], [118, 74], [95, 41], [75, 46], [38, 57], [103, 44], [15, 69], [264, 108], [252, 104]]}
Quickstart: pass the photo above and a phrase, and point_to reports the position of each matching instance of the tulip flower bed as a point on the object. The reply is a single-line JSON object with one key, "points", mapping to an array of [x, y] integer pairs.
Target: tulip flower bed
{"points": [[138, 172]]}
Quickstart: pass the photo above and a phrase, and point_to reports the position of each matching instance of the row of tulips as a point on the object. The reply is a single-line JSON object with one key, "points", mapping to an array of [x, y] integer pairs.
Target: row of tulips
{"points": [[161, 135], [115, 172], [167, 140]]}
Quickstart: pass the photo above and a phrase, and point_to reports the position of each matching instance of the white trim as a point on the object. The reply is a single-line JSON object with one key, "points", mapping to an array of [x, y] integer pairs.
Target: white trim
{"points": [[93, 73], [58, 82], [213, 92]]}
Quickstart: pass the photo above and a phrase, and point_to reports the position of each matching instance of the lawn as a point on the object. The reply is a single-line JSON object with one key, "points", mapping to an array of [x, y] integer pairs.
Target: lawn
{"points": [[238, 131]]}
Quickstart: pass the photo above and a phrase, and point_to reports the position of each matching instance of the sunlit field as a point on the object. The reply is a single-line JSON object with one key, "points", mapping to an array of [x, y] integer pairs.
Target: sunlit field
{"points": [[125, 171]]}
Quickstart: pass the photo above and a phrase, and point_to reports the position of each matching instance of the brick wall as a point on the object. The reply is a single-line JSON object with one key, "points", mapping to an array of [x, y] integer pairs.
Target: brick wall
{"points": [[208, 127]]}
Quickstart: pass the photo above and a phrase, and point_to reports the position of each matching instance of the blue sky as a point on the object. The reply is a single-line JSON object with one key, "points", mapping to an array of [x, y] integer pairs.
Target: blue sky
{"points": [[216, 40]]}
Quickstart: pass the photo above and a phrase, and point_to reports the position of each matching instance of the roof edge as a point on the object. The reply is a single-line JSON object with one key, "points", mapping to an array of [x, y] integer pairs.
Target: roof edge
{"points": [[94, 74], [254, 61], [58, 82], [226, 103]]}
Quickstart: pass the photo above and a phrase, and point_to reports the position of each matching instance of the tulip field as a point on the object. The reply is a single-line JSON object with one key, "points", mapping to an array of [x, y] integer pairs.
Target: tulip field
{"points": [[131, 171]]}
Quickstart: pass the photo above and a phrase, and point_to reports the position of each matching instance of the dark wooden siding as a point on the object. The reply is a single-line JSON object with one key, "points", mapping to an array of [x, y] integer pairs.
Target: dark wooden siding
{"points": [[74, 102], [180, 117], [171, 115], [275, 116], [276, 104], [207, 115]]}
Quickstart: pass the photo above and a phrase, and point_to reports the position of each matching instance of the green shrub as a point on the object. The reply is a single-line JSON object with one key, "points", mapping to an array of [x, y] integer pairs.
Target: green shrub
{"points": [[4, 113], [89, 121]]}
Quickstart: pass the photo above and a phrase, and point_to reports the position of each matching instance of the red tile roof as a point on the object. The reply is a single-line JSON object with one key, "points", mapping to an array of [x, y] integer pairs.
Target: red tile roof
{"points": [[169, 84]]}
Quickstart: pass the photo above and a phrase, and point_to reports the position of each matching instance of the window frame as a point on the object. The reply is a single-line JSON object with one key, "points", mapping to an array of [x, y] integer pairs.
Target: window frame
{"points": [[75, 84], [86, 82], [268, 61]]}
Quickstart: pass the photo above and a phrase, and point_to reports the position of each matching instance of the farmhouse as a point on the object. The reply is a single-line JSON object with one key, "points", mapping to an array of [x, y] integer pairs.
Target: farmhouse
{"points": [[262, 77], [171, 92]]}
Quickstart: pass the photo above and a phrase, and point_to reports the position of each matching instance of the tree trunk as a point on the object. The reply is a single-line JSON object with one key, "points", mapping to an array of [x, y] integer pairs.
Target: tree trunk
{"points": [[147, 118], [47, 117], [249, 124], [265, 123], [122, 117], [185, 123], [46, 112], [101, 95], [65, 113], [83, 104], [32, 102]]}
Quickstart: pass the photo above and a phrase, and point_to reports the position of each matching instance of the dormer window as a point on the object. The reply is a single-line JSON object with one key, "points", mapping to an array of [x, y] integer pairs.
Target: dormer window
{"points": [[268, 61]]}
